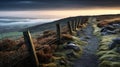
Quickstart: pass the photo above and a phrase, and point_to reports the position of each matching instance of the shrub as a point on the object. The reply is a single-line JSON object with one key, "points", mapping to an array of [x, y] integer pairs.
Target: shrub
{"points": [[44, 55], [107, 22], [46, 40], [7, 44], [48, 33], [67, 36]]}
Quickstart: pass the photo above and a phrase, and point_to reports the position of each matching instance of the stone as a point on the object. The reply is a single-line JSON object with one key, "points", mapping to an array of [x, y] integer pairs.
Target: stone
{"points": [[87, 37], [111, 45], [73, 46], [105, 31], [117, 40], [118, 49], [62, 62], [116, 25], [113, 28], [115, 43]]}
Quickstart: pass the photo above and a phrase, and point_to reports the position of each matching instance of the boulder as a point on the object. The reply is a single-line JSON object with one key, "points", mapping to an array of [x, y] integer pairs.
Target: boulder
{"points": [[110, 29]]}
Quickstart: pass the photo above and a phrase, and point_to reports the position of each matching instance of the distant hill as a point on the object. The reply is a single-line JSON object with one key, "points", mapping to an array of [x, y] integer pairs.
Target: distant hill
{"points": [[103, 17], [52, 25]]}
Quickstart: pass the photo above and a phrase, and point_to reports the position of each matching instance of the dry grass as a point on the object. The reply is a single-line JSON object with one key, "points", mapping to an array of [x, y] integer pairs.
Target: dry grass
{"points": [[7, 44], [45, 54], [107, 22], [15, 51], [16, 54]]}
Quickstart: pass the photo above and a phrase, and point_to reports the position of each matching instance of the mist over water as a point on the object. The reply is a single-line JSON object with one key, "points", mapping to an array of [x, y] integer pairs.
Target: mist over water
{"points": [[14, 24], [8, 22]]}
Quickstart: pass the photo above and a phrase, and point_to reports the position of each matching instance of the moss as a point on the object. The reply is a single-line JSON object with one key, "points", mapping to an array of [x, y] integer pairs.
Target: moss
{"points": [[78, 41], [64, 53], [100, 53], [103, 48], [63, 56], [115, 64], [102, 44], [107, 39], [109, 64], [112, 52], [105, 64], [96, 30], [108, 57]]}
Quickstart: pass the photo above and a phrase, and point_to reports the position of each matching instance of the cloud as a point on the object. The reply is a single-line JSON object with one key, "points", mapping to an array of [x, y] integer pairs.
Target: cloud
{"points": [[56, 4]]}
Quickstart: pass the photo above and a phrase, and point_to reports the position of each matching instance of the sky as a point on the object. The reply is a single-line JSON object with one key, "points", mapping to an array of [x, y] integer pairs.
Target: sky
{"points": [[57, 8]]}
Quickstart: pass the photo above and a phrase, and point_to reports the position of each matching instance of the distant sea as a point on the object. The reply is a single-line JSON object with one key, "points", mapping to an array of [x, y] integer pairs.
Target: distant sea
{"points": [[15, 24]]}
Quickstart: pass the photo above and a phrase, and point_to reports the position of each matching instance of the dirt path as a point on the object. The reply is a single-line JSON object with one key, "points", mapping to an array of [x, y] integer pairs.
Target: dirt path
{"points": [[88, 59]]}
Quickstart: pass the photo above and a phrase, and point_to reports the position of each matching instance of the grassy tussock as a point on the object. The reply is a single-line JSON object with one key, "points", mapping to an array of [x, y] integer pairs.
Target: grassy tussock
{"points": [[107, 58]]}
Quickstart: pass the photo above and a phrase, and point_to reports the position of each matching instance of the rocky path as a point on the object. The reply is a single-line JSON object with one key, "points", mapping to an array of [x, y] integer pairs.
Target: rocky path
{"points": [[89, 58]]}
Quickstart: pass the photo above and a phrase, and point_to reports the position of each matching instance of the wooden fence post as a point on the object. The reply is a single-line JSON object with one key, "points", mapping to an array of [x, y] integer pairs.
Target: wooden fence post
{"points": [[70, 28], [79, 21], [75, 24], [72, 24], [58, 33], [31, 48], [82, 21]]}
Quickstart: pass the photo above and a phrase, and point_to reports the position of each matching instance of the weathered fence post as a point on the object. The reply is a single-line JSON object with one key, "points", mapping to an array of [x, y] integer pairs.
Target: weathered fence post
{"points": [[75, 24], [31, 48], [58, 33], [72, 23], [79, 21], [70, 28], [82, 21]]}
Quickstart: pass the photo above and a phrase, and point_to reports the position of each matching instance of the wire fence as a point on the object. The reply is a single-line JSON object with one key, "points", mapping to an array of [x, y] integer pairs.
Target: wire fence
{"points": [[48, 34]]}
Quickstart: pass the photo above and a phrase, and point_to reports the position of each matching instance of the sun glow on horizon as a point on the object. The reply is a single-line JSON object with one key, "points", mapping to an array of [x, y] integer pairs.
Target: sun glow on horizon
{"points": [[58, 13]]}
